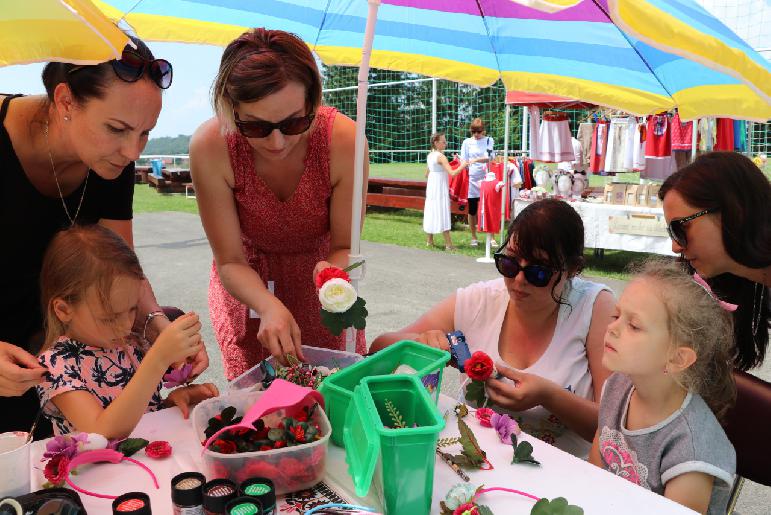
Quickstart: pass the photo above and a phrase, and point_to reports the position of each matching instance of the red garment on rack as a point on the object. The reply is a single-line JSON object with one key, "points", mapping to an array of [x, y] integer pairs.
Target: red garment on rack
{"points": [[459, 185], [599, 147], [725, 135], [658, 142], [489, 208], [682, 134]]}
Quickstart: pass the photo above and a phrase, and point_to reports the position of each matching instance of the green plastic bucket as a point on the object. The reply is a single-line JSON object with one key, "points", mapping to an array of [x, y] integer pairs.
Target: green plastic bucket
{"points": [[400, 460], [338, 388]]}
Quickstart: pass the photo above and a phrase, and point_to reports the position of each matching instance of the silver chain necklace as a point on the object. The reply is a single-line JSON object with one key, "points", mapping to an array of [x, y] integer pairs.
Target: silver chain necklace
{"points": [[53, 169]]}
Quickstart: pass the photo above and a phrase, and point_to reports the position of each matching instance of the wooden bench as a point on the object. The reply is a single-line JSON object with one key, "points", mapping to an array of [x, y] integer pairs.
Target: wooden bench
{"points": [[165, 186], [401, 194]]}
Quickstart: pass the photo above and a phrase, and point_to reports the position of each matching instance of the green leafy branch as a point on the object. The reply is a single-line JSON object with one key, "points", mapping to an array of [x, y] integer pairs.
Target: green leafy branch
{"points": [[393, 412], [446, 442]]}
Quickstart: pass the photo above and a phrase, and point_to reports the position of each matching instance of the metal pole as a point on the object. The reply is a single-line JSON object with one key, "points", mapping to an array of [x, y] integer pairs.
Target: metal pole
{"points": [[694, 139], [433, 106], [525, 129], [506, 185]]}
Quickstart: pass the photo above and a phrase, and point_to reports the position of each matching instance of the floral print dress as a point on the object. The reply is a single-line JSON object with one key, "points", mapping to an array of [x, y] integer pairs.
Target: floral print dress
{"points": [[104, 373]]}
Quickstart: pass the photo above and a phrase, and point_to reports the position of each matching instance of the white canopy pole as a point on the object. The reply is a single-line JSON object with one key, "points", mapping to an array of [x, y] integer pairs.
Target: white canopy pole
{"points": [[506, 185], [358, 157]]}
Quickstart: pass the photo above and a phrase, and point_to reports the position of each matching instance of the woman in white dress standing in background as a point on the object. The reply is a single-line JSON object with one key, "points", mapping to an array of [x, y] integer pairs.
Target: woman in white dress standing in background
{"points": [[436, 212]]}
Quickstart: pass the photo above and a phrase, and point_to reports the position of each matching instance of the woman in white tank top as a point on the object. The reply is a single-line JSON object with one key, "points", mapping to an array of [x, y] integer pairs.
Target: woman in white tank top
{"points": [[542, 326], [436, 211]]}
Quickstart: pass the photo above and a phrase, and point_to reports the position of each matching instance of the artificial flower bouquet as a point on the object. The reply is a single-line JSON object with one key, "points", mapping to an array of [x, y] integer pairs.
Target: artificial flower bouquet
{"points": [[479, 368], [341, 306], [288, 445]]}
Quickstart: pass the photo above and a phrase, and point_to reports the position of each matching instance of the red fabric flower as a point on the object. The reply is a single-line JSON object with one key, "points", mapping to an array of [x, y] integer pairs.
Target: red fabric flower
{"points": [[483, 416], [331, 273], [479, 367], [299, 433], [278, 444], [466, 509], [225, 446], [158, 449], [266, 448], [56, 469]]}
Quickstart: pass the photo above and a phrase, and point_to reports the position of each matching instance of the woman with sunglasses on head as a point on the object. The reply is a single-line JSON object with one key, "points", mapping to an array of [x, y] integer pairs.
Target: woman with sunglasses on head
{"points": [[273, 174], [719, 218], [541, 324], [67, 157]]}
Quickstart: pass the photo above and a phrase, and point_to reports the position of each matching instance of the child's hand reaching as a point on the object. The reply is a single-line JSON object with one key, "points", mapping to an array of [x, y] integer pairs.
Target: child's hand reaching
{"points": [[178, 341], [191, 395]]}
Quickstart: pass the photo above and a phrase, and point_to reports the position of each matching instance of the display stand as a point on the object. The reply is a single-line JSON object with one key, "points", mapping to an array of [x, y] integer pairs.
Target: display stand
{"points": [[487, 258]]}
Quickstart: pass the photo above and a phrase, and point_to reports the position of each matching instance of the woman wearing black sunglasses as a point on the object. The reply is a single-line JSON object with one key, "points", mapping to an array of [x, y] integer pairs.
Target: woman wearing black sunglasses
{"points": [[273, 175], [718, 210], [542, 325], [67, 157]]}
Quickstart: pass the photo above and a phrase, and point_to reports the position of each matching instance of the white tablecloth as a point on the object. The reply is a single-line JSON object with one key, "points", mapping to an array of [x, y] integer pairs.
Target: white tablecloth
{"points": [[597, 235], [560, 474]]}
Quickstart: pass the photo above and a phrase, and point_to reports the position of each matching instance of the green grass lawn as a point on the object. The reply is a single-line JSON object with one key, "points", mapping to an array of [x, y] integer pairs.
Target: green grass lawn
{"points": [[408, 171], [398, 227]]}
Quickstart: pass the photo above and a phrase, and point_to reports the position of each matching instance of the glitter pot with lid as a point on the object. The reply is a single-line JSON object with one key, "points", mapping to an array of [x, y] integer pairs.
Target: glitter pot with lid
{"points": [[187, 493], [216, 495], [262, 489], [244, 506], [132, 503]]}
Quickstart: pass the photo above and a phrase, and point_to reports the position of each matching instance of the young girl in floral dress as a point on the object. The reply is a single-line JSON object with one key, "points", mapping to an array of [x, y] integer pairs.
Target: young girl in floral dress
{"points": [[669, 347], [99, 378]]}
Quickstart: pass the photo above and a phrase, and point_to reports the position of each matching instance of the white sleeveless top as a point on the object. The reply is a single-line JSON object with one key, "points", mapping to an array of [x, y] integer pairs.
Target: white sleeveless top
{"points": [[432, 161], [479, 312]]}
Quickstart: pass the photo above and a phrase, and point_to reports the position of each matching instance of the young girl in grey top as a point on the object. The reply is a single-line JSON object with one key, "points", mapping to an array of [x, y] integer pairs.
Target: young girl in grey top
{"points": [[669, 347]]}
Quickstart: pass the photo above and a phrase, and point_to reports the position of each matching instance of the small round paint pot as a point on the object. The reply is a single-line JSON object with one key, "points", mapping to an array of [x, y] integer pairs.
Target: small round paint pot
{"points": [[216, 495], [244, 506], [132, 503], [187, 493], [262, 489]]}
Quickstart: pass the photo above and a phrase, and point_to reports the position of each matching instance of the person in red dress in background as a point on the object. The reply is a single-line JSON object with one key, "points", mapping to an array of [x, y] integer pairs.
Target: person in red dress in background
{"points": [[273, 175]]}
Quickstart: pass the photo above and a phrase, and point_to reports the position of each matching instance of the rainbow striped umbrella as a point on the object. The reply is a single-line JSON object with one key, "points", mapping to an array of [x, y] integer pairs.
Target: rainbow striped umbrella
{"points": [[576, 51], [57, 30]]}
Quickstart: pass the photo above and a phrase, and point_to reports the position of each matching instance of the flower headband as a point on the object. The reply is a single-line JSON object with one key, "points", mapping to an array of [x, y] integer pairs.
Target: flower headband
{"points": [[725, 305], [102, 455]]}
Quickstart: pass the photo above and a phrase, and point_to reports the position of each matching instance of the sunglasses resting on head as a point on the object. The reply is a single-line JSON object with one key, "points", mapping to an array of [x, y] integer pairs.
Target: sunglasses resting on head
{"points": [[131, 66], [508, 266]]}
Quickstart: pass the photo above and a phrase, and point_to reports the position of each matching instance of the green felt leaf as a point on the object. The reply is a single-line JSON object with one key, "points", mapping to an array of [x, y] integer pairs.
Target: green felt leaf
{"points": [[523, 453], [484, 510], [228, 414], [470, 445], [463, 461], [558, 506], [276, 434], [131, 446], [475, 393], [334, 322]]}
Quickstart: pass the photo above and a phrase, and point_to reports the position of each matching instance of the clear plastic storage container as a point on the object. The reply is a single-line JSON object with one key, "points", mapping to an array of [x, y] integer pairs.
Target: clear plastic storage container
{"points": [[316, 356], [291, 468]]}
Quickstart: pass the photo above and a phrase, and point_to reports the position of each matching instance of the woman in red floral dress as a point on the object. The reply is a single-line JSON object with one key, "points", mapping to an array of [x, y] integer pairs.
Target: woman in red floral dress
{"points": [[273, 175]]}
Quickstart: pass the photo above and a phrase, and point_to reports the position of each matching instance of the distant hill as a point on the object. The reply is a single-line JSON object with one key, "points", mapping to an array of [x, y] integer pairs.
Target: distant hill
{"points": [[168, 145]]}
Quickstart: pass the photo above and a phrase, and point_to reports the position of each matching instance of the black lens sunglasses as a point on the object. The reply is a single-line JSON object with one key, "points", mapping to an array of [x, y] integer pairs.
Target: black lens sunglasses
{"points": [[131, 66], [508, 266], [676, 227], [262, 129]]}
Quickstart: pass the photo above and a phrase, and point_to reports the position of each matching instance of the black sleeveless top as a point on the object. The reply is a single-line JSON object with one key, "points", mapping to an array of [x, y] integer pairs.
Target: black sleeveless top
{"points": [[28, 222]]}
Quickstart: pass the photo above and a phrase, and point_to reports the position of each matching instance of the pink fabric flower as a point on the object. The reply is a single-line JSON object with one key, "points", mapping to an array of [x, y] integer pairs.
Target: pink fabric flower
{"points": [[69, 445], [177, 376], [466, 509], [505, 426], [483, 416]]}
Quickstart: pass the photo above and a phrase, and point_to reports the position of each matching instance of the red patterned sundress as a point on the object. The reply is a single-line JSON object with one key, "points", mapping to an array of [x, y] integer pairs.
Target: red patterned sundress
{"points": [[282, 241]]}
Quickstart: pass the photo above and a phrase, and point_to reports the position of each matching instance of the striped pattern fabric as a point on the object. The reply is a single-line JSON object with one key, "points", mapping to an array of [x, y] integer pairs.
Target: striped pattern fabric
{"points": [[564, 47]]}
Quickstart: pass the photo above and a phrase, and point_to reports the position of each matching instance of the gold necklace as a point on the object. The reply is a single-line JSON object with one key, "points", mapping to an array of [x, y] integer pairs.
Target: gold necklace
{"points": [[59, 189]]}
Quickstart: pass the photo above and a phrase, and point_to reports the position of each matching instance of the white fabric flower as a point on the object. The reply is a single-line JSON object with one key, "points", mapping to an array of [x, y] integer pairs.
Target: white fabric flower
{"points": [[337, 295], [95, 441]]}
